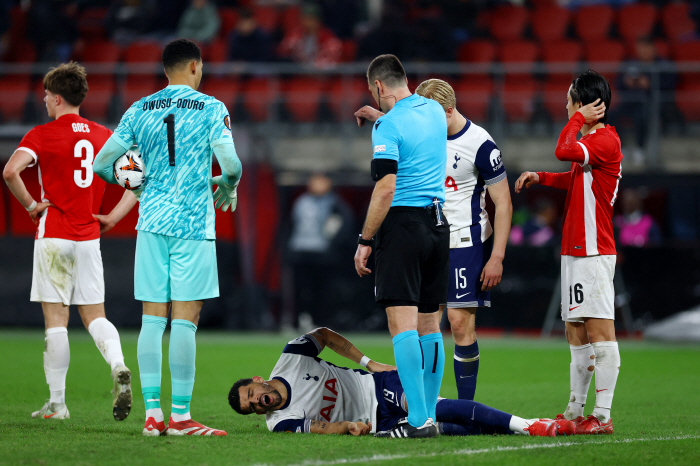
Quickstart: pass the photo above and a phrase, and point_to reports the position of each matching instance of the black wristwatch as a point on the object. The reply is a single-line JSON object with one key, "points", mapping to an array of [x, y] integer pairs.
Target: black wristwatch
{"points": [[365, 242]]}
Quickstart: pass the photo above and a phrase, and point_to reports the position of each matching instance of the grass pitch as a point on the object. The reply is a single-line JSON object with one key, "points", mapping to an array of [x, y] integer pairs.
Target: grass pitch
{"points": [[656, 410]]}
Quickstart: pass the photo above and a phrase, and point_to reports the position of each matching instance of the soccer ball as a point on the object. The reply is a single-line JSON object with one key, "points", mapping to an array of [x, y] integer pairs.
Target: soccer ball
{"points": [[128, 170]]}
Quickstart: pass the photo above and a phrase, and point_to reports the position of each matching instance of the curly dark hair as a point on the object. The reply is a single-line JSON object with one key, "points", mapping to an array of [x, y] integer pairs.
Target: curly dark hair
{"points": [[234, 396]]}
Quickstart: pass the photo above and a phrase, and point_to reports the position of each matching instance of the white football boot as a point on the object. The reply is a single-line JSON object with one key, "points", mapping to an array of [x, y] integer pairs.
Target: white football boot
{"points": [[52, 411], [121, 393]]}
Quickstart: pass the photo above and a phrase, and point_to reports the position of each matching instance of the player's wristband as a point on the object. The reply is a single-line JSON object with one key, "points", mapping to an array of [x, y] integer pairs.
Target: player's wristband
{"points": [[365, 242], [32, 206], [364, 361]]}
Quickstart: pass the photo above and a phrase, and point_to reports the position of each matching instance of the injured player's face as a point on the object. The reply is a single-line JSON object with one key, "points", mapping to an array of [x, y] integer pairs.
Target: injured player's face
{"points": [[259, 398]]}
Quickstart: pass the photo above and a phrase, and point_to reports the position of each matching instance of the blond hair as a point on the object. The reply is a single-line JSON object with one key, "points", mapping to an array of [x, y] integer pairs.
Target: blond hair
{"points": [[439, 91], [68, 80]]}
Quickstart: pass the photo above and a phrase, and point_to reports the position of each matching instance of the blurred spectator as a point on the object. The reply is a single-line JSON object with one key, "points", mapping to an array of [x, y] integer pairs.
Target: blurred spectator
{"points": [[127, 20], [636, 227], [538, 230], [322, 227], [341, 16], [165, 24], [52, 26], [391, 35], [200, 22], [431, 38], [5, 8], [311, 41], [635, 84], [249, 42]]}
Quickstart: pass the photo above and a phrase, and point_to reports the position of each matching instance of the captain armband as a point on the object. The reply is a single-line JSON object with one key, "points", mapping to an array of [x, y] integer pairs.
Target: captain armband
{"points": [[383, 167]]}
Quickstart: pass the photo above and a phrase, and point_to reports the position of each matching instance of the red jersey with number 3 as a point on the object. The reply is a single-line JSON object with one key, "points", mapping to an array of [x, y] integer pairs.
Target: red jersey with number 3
{"points": [[591, 185], [64, 149]]}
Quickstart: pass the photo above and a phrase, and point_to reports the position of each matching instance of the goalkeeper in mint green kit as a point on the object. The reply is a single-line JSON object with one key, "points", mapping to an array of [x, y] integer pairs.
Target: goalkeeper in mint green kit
{"points": [[178, 130]]}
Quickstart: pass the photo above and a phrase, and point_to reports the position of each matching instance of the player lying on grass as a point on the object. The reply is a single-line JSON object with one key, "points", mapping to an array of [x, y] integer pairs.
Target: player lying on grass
{"points": [[306, 394], [67, 258]]}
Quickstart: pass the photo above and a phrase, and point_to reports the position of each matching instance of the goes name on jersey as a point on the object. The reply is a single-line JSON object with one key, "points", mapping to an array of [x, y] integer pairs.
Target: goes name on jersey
{"points": [[157, 104], [80, 128]]}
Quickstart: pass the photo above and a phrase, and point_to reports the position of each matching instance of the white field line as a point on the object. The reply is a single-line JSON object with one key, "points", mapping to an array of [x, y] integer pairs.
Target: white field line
{"points": [[467, 451]]}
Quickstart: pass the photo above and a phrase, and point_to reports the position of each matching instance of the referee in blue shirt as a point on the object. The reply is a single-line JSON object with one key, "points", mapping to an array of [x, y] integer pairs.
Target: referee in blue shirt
{"points": [[410, 236]]}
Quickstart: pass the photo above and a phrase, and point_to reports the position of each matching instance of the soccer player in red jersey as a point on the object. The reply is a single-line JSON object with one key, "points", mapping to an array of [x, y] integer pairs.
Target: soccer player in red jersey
{"points": [[588, 247], [67, 259]]}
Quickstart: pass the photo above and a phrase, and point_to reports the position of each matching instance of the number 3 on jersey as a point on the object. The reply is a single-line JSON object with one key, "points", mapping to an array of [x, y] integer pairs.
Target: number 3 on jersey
{"points": [[83, 177]]}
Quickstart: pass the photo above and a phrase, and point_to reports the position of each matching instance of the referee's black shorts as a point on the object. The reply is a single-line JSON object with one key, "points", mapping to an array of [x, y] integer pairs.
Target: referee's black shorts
{"points": [[412, 260]]}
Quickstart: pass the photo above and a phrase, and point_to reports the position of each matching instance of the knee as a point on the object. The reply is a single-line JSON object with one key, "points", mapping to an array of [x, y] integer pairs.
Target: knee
{"points": [[462, 328]]}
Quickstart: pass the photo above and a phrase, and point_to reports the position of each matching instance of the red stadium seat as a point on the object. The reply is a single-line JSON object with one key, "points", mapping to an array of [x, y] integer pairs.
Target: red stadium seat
{"points": [[477, 51], [99, 96], [603, 51], [259, 96], [229, 18], [224, 89], [593, 22], [604, 56], [126, 228], [101, 51], [267, 17], [14, 91], [142, 52], [302, 98], [216, 52], [663, 50], [561, 57], [688, 100], [687, 52], [91, 23], [521, 54], [290, 18], [518, 98], [20, 223], [21, 52], [550, 23], [135, 88], [554, 98], [508, 22], [349, 53], [636, 20], [473, 94], [676, 21], [347, 94]]}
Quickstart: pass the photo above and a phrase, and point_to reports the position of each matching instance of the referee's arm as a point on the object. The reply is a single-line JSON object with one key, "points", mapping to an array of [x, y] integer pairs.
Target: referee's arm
{"points": [[382, 197]]}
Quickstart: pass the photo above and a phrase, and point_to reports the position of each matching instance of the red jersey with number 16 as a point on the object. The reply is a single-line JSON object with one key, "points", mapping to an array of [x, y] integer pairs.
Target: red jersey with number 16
{"points": [[591, 186], [64, 149]]}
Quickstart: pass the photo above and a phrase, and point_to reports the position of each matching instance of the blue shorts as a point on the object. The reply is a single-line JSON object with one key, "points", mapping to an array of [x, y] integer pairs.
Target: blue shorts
{"points": [[390, 398], [174, 269], [464, 286]]}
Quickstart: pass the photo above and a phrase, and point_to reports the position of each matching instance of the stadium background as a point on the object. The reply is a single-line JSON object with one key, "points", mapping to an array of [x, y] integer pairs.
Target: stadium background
{"points": [[291, 90]]}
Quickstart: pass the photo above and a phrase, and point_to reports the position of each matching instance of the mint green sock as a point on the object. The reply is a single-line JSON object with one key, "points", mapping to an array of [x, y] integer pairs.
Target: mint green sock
{"points": [[150, 355], [183, 350]]}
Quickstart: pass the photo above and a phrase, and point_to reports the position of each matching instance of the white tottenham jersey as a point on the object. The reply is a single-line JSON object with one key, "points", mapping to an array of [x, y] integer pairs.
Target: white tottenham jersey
{"points": [[319, 391], [473, 161]]}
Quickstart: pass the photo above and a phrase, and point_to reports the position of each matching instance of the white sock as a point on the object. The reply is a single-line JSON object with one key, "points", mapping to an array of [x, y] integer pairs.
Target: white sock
{"points": [[518, 425], [181, 417], [580, 374], [56, 361], [607, 367], [107, 340], [155, 413]]}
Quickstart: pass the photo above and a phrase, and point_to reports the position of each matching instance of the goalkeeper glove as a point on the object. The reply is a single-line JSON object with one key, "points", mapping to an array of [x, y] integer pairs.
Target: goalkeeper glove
{"points": [[225, 194]]}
